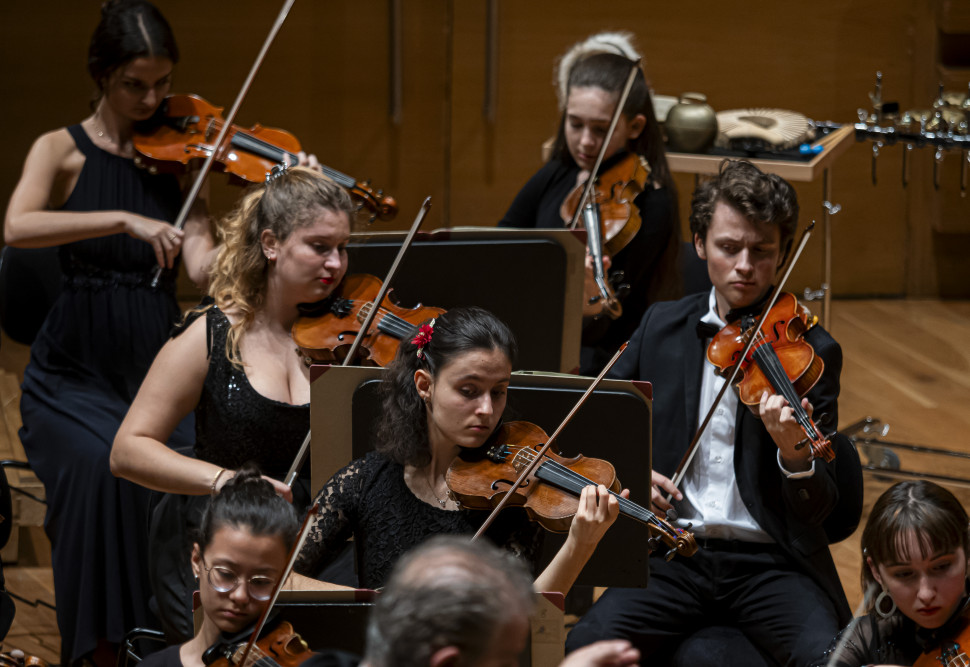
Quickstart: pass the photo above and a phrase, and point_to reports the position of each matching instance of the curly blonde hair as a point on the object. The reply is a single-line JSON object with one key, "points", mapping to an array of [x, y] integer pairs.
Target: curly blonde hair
{"points": [[238, 276]]}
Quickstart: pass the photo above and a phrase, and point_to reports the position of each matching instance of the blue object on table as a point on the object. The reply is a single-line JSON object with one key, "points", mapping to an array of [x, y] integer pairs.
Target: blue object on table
{"points": [[809, 149]]}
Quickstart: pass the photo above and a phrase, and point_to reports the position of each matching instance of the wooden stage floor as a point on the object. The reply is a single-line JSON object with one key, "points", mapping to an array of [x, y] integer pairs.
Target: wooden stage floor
{"points": [[907, 363]]}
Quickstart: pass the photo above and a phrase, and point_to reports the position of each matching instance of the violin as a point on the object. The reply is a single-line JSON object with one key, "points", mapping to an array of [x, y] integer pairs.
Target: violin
{"points": [[480, 478], [326, 331], [780, 361], [950, 652], [17, 658], [280, 647], [186, 133], [614, 191]]}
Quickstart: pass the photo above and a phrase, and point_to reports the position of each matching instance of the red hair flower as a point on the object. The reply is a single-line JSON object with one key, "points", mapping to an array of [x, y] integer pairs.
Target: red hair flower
{"points": [[422, 338]]}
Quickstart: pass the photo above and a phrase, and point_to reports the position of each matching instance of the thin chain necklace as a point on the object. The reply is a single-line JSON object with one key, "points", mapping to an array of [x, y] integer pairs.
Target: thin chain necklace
{"points": [[99, 130], [443, 503]]}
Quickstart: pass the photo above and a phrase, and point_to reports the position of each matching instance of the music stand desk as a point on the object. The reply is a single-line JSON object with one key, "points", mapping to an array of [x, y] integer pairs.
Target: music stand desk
{"points": [[834, 145], [532, 279]]}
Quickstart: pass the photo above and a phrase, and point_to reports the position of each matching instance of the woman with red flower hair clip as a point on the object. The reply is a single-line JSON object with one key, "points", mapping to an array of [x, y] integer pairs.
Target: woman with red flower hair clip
{"points": [[444, 392]]}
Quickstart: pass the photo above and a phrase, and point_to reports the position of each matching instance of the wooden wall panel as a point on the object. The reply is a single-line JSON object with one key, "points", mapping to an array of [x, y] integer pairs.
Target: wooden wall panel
{"points": [[326, 80]]}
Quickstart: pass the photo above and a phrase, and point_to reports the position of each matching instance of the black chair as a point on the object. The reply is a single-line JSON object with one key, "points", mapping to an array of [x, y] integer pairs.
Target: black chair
{"points": [[127, 655]]}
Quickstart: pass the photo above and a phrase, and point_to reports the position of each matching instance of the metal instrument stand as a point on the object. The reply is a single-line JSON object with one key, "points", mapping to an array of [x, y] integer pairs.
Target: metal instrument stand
{"points": [[881, 455]]}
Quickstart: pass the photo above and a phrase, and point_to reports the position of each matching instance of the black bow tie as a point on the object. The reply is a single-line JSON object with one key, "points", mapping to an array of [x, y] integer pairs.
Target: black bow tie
{"points": [[706, 330]]}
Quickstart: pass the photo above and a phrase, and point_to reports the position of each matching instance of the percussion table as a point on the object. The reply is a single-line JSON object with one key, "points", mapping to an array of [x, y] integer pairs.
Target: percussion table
{"points": [[833, 144]]}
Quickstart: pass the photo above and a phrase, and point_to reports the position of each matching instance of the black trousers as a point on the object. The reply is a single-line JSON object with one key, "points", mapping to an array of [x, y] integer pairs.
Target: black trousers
{"points": [[781, 610]]}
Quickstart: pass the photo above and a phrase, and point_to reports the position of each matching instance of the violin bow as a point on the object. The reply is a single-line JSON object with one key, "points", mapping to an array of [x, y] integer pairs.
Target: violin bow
{"points": [[591, 218], [364, 328], [290, 564], [537, 458], [227, 123], [692, 447], [631, 77]]}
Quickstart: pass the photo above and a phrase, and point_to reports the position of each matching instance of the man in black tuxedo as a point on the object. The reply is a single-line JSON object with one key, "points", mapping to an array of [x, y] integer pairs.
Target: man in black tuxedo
{"points": [[763, 511]]}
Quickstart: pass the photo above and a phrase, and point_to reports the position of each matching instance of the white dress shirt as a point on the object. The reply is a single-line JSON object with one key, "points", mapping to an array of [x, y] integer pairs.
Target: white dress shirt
{"points": [[712, 502]]}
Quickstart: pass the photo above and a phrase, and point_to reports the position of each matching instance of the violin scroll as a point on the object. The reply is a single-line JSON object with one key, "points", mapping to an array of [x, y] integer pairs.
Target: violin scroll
{"points": [[17, 658]]}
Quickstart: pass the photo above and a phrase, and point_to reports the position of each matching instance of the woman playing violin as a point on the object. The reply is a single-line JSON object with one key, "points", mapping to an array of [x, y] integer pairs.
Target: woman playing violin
{"points": [[763, 511], [914, 573], [444, 393], [235, 364], [591, 78], [81, 191], [238, 554]]}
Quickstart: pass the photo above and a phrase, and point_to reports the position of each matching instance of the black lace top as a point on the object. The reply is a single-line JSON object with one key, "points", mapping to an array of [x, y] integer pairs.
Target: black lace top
{"points": [[370, 501], [897, 640], [234, 423]]}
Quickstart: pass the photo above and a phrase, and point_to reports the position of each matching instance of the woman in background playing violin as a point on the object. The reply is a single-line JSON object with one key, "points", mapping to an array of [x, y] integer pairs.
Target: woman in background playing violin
{"points": [[444, 392], [914, 576], [591, 78], [236, 366], [238, 554], [80, 190]]}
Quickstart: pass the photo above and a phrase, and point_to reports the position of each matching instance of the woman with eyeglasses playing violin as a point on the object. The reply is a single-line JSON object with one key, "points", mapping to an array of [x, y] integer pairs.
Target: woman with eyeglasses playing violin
{"points": [[238, 555]]}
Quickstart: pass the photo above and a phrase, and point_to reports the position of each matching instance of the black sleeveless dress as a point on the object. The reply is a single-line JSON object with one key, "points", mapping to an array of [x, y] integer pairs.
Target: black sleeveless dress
{"points": [[86, 365], [234, 424]]}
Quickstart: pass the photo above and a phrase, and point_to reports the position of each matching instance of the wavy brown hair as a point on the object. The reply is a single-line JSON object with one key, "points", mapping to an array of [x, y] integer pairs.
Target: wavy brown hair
{"points": [[291, 200], [758, 196]]}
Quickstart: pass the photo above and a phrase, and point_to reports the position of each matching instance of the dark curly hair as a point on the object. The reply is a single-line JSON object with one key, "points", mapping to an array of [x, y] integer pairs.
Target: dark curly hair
{"points": [[128, 29], [920, 508], [247, 501], [759, 197], [403, 432]]}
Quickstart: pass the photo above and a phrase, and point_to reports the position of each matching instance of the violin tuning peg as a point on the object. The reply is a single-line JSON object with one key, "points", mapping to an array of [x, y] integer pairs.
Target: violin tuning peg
{"points": [[823, 418], [671, 515], [669, 556], [801, 444], [653, 543]]}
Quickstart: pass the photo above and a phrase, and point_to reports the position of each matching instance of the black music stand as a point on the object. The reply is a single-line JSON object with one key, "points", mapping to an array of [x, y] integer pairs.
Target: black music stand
{"points": [[615, 425], [532, 279]]}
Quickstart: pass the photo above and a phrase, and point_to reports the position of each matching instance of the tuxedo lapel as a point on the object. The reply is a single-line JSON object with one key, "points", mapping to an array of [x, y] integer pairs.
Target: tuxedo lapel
{"points": [[693, 366]]}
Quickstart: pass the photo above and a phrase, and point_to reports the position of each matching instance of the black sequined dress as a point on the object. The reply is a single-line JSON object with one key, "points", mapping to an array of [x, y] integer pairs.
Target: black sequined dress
{"points": [[234, 424], [86, 365], [370, 501]]}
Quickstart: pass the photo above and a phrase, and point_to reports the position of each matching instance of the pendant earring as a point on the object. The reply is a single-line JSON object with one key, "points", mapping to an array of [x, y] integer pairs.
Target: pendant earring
{"points": [[879, 604]]}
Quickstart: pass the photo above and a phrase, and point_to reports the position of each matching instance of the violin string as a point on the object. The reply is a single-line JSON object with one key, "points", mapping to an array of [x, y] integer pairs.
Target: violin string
{"points": [[389, 323], [768, 361], [572, 481], [253, 144]]}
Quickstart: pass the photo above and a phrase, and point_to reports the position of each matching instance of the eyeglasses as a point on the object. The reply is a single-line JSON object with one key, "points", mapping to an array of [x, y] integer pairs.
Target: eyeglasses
{"points": [[225, 580]]}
